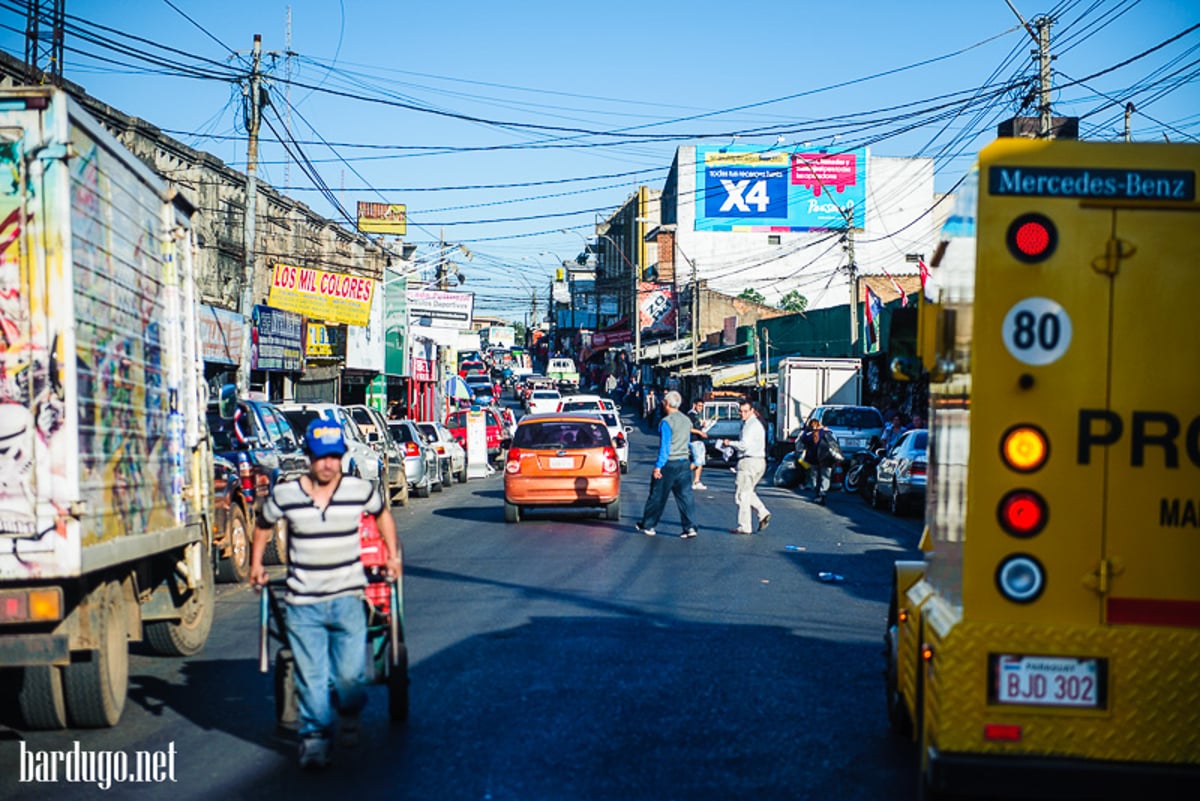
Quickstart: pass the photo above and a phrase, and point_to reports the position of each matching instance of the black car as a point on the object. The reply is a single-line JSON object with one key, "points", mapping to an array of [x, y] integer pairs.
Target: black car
{"points": [[263, 449]]}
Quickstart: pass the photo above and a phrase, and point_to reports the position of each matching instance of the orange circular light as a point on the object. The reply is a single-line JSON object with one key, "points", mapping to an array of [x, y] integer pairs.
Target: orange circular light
{"points": [[1023, 513], [1025, 448], [1032, 238]]}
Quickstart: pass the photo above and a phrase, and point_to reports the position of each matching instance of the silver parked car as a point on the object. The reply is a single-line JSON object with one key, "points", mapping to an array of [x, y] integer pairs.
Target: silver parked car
{"points": [[361, 459], [855, 427], [374, 427], [421, 464], [451, 454], [900, 474]]}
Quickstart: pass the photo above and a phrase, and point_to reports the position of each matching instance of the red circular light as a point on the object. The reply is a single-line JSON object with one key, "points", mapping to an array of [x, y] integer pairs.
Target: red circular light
{"points": [[1023, 513], [1032, 238]]}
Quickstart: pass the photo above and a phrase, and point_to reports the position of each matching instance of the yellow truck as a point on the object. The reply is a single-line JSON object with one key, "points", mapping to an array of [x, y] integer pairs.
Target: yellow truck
{"points": [[1049, 643], [105, 464]]}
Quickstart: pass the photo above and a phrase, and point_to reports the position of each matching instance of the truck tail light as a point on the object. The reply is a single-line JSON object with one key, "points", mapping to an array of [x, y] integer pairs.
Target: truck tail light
{"points": [[1025, 448], [1023, 513], [246, 478], [1021, 578]]}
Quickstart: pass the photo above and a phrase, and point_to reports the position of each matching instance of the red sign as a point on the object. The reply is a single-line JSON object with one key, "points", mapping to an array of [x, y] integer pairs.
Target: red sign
{"points": [[607, 339]]}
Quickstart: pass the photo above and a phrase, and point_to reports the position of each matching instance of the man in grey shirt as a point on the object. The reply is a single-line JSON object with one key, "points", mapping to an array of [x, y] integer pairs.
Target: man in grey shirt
{"points": [[753, 449], [671, 471]]}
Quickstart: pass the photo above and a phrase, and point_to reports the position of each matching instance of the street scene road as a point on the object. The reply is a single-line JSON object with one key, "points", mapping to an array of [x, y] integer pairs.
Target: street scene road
{"points": [[565, 657]]}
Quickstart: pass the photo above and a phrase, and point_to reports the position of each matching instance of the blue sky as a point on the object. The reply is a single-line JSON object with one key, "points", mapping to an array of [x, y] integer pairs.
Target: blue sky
{"points": [[585, 101]]}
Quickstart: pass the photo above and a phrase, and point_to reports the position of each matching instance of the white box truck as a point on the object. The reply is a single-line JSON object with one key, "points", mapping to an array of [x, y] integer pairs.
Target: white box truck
{"points": [[805, 383], [105, 465]]}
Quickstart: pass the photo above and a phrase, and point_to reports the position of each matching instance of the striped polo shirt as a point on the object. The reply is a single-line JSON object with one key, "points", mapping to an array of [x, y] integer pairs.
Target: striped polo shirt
{"points": [[323, 547]]}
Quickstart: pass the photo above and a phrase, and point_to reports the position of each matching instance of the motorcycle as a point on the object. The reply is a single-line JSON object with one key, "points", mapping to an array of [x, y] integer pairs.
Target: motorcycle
{"points": [[860, 471]]}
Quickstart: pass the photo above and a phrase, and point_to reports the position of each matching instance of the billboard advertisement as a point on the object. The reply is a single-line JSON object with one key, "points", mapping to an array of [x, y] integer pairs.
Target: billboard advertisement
{"points": [[383, 218], [275, 342], [220, 335], [364, 343], [435, 309], [656, 303], [335, 297], [740, 188]]}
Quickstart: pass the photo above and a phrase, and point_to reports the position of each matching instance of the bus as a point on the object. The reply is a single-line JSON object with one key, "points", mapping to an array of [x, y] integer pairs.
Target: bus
{"points": [[1048, 643]]}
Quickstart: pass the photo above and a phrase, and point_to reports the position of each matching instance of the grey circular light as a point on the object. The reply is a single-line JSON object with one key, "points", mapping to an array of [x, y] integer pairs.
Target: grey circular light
{"points": [[1021, 578]]}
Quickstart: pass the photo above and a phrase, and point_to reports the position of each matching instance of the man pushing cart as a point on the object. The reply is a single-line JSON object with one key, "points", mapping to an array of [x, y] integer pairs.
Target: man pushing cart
{"points": [[331, 520]]}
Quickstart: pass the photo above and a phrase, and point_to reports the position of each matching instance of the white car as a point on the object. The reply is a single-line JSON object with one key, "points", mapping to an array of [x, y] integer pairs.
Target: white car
{"points": [[581, 403], [618, 433], [361, 459], [454, 458], [544, 400]]}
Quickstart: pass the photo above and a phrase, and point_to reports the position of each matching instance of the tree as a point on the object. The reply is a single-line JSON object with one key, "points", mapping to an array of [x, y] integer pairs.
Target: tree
{"points": [[793, 302], [518, 331], [753, 295]]}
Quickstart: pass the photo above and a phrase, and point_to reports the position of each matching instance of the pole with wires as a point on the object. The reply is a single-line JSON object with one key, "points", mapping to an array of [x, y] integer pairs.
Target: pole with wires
{"points": [[247, 304]]}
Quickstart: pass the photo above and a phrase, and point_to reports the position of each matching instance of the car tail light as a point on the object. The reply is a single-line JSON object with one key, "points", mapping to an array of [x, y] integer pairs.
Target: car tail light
{"points": [[610, 460], [513, 463], [412, 449], [917, 469], [620, 441], [246, 478]]}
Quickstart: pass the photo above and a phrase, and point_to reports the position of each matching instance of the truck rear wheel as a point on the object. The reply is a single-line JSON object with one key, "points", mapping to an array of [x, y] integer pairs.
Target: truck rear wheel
{"points": [[236, 566], [276, 551], [96, 682], [187, 635], [40, 697]]}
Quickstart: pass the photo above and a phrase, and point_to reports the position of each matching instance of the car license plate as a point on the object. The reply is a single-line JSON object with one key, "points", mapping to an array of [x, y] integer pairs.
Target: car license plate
{"points": [[854, 442], [561, 462], [1049, 681]]}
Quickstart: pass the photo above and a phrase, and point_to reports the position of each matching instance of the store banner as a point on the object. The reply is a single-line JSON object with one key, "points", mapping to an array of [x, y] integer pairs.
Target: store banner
{"points": [[334, 297], [433, 309], [657, 305], [323, 342], [276, 340], [220, 335], [364, 343]]}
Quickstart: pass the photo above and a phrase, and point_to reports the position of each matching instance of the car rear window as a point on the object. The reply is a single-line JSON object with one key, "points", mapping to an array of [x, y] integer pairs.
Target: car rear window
{"points": [[545, 395], [401, 432], [920, 440], [852, 418], [456, 420], [300, 418], [580, 406], [560, 435]]}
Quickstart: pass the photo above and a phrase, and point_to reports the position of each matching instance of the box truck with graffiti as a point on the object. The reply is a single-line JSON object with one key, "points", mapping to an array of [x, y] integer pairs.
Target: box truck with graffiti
{"points": [[105, 466]]}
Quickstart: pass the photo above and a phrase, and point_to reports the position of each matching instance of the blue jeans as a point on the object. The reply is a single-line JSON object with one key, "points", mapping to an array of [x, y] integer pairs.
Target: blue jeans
{"points": [[677, 479], [329, 642]]}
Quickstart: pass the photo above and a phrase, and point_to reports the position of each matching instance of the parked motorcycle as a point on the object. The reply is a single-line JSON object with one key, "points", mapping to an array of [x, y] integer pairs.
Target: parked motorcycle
{"points": [[860, 470]]}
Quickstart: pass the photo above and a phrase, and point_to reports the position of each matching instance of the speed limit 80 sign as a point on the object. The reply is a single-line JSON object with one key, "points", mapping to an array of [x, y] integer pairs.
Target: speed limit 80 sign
{"points": [[1037, 331]]}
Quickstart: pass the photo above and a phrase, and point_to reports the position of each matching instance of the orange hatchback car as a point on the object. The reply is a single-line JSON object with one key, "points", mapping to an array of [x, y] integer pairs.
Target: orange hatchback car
{"points": [[561, 460]]}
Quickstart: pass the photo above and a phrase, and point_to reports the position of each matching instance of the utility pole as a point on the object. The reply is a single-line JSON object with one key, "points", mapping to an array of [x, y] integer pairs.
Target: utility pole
{"points": [[247, 305], [287, 94], [853, 281], [39, 12], [695, 314], [1044, 75], [1128, 119]]}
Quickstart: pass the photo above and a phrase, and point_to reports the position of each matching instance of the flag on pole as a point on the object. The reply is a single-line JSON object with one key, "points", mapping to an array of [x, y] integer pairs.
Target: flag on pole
{"points": [[926, 289], [874, 309], [899, 290]]}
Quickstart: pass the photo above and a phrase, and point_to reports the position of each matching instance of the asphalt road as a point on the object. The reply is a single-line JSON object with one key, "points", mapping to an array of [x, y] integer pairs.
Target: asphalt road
{"points": [[564, 658]]}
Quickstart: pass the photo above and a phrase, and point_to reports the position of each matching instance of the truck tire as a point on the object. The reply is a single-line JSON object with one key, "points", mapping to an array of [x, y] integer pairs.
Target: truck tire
{"points": [[187, 635], [96, 683], [276, 551], [40, 697], [236, 566], [287, 701]]}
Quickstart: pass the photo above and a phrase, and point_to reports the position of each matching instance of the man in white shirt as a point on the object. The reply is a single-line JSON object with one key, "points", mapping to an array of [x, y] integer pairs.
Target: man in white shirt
{"points": [[750, 469]]}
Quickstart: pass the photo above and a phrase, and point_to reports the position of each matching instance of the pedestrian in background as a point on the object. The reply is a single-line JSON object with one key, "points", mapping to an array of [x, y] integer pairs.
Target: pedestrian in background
{"points": [[752, 447], [699, 451], [821, 450], [326, 616], [671, 473]]}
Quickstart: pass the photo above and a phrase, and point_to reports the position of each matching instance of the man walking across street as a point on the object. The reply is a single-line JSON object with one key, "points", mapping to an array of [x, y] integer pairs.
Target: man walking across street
{"points": [[699, 452], [326, 608], [751, 466], [821, 450], [671, 471]]}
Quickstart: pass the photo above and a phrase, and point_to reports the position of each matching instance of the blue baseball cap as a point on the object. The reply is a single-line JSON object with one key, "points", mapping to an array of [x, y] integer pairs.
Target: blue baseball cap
{"points": [[324, 437]]}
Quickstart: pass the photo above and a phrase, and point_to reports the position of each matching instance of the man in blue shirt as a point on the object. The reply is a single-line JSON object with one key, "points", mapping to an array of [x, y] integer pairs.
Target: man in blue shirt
{"points": [[672, 471]]}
